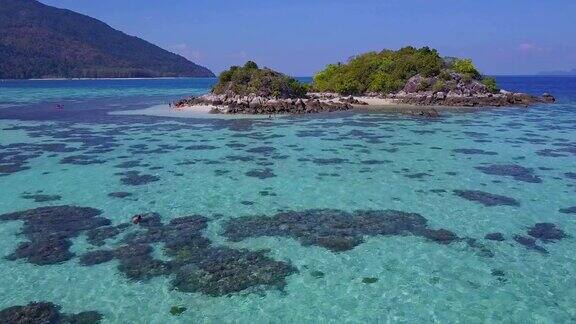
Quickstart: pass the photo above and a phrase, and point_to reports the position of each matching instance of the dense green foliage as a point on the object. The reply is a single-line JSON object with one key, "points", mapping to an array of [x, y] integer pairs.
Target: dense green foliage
{"points": [[465, 66], [38, 41], [251, 80], [490, 83], [388, 71]]}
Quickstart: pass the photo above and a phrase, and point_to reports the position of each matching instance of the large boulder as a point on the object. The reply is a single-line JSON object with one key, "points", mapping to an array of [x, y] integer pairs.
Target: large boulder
{"points": [[547, 98], [476, 87], [413, 84], [255, 103]]}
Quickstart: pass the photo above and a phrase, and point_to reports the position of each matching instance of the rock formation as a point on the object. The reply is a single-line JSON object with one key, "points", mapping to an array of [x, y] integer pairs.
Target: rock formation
{"points": [[252, 104], [457, 90]]}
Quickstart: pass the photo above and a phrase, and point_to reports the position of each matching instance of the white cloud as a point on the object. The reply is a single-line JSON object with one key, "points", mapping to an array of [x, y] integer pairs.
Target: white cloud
{"points": [[528, 47], [187, 51]]}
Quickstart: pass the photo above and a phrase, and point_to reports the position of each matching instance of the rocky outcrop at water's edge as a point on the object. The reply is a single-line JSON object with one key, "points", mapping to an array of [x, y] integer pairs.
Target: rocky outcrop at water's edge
{"points": [[257, 105], [461, 92]]}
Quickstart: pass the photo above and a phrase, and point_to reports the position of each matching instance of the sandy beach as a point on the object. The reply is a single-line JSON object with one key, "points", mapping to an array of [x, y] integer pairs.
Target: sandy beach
{"points": [[188, 112], [383, 105]]}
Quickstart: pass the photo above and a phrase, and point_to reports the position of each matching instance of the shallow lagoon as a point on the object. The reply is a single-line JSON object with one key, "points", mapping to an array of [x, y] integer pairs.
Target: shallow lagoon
{"points": [[470, 174]]}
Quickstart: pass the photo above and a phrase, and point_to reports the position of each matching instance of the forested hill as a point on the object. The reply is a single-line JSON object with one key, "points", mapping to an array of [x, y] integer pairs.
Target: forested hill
{"points": [[39, 41]]}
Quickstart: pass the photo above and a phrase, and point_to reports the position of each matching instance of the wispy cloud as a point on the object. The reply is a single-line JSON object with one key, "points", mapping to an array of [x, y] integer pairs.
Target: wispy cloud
{"points": [[187, 51], [528, 47]]}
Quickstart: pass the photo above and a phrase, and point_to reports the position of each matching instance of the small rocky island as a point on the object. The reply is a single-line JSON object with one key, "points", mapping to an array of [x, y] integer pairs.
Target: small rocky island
{"points": [[407, 78], [252, 90]]}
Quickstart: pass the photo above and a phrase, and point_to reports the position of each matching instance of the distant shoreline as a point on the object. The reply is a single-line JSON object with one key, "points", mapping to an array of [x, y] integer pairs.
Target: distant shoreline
{"points": [[300, 77], [83, 79]]}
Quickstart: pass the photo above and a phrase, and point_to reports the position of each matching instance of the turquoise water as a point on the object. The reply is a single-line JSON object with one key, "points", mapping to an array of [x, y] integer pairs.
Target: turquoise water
{"points": [[471, 174], [22, 92]]}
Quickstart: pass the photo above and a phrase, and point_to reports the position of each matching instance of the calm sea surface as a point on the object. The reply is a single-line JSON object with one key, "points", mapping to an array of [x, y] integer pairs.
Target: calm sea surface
{"points": [[346, 217]]}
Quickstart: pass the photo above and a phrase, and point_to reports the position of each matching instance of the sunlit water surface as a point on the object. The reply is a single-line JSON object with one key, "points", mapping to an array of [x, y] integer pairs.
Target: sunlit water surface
{"points": [[472, 174]]}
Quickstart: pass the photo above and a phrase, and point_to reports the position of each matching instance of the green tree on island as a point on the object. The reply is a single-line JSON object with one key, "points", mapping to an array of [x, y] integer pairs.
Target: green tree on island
{"points": [[252, 80], [388, 71]]}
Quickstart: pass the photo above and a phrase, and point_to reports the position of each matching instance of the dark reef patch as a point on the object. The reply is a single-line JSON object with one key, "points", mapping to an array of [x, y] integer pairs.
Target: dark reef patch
{"points": [[486, 199], [221, 172], [177, 310], [6, 169], [236, 145], [97, 236], [264, 150], [14, 157], [565, 150], [221, 271], [335, 230], [267, 193], [499, 237], [134, 178], [310, 133], [550, 153], [546, 232], [419, 175], [239, 158], [476, 134], [261, 173], [499, 274], [120, 194], [474, 152], [200, 147], [570, 175], [325, 174], [375, 162], [195, 264], [515, 171], [369, 280], [39, 197], [81, 159], [569, 210], [130, 164], [49, 230], [317, 274], [331, 161], [96, 257], [529, 243], [45, 313]]}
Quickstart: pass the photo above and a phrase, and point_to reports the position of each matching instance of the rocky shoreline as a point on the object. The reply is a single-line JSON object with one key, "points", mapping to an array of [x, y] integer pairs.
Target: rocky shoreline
{"points": [[502, 99], [421, 103], [457, 91], [420, 96], [258, 105]]}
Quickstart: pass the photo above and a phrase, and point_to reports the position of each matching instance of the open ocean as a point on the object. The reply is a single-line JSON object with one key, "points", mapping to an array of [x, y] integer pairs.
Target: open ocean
{"points": [[345, 217]]}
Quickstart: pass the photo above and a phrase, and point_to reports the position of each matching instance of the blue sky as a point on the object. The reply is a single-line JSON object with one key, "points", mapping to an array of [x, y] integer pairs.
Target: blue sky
{"points": [[299, 37]]}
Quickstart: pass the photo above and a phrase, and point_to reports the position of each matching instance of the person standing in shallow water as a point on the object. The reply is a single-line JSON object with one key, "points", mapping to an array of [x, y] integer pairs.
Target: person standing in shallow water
{"points": [[136, 219]]}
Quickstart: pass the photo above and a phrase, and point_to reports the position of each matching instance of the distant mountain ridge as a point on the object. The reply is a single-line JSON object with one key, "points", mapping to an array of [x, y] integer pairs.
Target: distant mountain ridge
{"points": [[40, 41], [571, 72]]}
